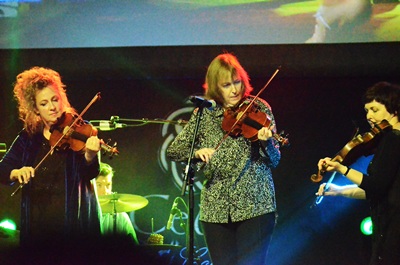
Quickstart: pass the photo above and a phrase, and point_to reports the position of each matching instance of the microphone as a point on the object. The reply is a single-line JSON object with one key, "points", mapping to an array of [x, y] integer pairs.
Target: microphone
{"points": [[202, 102], [109, 126], [172, 214]]}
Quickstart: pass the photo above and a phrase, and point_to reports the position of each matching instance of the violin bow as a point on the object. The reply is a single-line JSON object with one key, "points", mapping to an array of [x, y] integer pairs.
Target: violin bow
{"points": [[319, 198]]}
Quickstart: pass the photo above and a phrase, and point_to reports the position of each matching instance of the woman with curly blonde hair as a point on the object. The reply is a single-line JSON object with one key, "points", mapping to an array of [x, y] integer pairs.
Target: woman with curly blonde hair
{"points": [[57, 203], [26, 85]]}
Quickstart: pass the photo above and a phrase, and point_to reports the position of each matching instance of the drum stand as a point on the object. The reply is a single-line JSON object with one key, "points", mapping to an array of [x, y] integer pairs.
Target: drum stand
{"points": [[114, 214]]}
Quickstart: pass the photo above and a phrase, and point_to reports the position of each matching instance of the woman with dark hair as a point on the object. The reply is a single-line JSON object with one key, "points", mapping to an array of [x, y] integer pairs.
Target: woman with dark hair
{"points": [[381, 185], [237, 207]]}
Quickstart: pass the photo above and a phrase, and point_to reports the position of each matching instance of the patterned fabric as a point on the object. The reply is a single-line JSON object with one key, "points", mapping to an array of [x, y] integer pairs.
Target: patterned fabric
{"points": [[239, 182]]}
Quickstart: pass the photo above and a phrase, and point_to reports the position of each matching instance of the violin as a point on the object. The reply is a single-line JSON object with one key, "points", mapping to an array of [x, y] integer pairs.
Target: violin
{"points": [[359, 145], [247, 120], [71, 132]]}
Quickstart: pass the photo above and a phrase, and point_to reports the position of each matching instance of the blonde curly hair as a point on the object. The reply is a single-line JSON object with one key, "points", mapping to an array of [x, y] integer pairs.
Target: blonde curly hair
{"points": [[27, 84]]}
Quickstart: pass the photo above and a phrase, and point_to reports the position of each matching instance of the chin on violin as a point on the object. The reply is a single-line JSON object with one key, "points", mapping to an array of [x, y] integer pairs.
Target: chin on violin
{"points": [[360, 144]]}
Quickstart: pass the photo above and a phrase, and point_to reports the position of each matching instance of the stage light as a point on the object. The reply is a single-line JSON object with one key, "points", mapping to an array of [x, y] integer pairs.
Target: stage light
{"points": [[3, 148], [366, 226], [8, 224]]}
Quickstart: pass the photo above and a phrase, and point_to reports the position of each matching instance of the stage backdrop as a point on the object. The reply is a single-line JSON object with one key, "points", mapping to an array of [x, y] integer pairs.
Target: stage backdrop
{"points": [[316, 103], [125, 23]]}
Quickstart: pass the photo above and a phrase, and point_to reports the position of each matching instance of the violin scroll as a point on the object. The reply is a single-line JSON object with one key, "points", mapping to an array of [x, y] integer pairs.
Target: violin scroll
{"points": [[112, 150], [316, 177], [282, 138]]}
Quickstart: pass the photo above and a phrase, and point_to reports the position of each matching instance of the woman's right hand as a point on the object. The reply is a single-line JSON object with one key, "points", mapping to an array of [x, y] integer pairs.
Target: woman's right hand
{"points": [[333, 190], [204, 154], [23, 175]]}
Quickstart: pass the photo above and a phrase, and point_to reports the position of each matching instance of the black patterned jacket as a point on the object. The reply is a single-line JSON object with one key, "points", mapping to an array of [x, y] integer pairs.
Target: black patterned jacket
{"points": [[238, 182]]}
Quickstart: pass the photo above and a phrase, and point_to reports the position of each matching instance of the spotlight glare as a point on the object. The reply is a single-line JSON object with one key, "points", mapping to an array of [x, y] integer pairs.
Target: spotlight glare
{"points": [[366, 226], [8, 224]]}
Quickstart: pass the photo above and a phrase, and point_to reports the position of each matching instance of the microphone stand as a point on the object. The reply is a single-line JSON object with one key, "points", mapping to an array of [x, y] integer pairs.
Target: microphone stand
{"points": [[114, 123], [188, 181]]}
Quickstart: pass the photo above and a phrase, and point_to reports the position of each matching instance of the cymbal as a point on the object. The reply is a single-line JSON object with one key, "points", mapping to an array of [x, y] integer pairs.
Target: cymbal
{"points": [[119, 203]]}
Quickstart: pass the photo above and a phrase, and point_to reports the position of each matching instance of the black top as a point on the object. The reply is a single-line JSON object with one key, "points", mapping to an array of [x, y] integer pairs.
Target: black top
{"points": [[60, 198], [48, 200], [382, 188]]}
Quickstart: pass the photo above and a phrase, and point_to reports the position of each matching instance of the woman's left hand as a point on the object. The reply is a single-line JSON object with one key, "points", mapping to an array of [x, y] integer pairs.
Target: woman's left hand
{"points": [[264, 133], [326, 164], [92, 147]]}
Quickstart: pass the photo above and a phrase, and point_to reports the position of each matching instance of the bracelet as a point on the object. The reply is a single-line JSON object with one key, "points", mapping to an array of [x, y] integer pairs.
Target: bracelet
{"points": [[347, 172]]}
